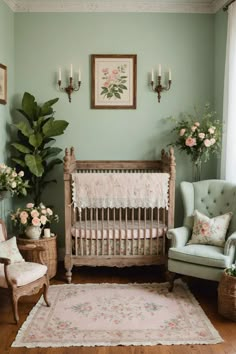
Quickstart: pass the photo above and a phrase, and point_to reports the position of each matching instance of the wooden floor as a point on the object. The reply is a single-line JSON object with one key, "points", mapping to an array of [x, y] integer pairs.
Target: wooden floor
{"points": [[204, 291]]}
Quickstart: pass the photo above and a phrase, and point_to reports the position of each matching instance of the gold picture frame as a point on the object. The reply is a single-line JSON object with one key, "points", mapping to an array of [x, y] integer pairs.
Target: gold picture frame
{"points": [[3, 84], [114, 80]]}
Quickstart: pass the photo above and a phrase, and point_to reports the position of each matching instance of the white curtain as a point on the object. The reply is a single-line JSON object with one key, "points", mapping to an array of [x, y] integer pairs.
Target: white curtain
{"points": [[228, 157]]}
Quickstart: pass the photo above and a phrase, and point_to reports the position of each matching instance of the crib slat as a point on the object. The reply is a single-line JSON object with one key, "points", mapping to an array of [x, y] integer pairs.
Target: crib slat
{"points": [[151, 233], [85, 229], [102, 221], [96, 230], [145, 231], [132, 246], [158, 229], [120, 218], [126, 233], [76, 233], [164, 234], [91, 230], [114, 230], [108, 231], [139, 216]]}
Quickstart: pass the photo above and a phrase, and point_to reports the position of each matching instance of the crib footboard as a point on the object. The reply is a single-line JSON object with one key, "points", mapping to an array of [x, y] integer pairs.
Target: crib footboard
{"points": [[113, 234]]}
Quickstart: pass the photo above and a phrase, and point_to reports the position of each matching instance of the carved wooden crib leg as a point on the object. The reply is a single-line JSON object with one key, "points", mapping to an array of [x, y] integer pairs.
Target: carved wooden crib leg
{"points": [[68, 267]]}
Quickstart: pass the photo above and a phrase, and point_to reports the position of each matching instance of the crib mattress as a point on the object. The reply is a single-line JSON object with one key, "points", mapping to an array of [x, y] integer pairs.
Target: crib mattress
{"points": [[118, 230]]}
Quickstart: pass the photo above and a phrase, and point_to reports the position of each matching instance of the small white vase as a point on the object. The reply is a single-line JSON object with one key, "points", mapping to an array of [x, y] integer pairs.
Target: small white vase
{"points": [[33, 232]]}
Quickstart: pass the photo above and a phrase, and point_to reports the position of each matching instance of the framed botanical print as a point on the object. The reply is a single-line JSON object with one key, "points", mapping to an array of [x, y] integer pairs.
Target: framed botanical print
{"points": [[3, 84], [114, 79]]}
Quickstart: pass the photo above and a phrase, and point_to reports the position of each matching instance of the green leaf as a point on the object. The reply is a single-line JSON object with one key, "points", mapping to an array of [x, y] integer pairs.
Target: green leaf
{"points": [[123, 87], [50, 151], [18, 161], [36, 140], [29, 105], [22, 148], [24, 128], [54, 128], [121, 91], [34, 163], [109, 95], [25, 115], [105, 89], [117, 95], [123, 77], [51, 164]]}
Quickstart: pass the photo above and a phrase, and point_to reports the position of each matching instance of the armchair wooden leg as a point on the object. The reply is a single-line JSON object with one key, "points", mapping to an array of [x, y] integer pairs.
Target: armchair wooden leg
{"points": [[170, 276], [45, 294], [15, 307]]}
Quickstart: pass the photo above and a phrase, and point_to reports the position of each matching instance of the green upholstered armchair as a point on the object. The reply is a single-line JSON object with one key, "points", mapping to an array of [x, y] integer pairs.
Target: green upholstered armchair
{"points": [[212, 198]]}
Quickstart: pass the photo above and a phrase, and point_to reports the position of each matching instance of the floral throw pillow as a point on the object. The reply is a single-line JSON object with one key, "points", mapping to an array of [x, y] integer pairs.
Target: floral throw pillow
{"points": [[210, 231], [9, 249]]}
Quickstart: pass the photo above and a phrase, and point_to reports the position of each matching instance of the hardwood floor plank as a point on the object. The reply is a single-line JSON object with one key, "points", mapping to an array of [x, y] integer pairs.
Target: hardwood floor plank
{"points": [[204, 291]]}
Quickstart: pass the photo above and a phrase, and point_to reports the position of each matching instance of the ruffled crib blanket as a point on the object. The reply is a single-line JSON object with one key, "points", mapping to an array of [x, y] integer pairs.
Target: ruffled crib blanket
{"points": [[120, 190]]}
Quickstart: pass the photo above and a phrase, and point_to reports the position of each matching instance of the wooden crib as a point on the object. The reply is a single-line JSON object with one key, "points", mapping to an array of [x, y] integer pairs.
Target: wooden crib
{"points": [[120, 232]]}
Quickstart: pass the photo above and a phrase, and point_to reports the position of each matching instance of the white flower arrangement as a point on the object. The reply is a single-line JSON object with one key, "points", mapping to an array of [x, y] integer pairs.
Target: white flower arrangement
{"points": [[199, 135], [231, 271], [12, 181], [33, 215]]}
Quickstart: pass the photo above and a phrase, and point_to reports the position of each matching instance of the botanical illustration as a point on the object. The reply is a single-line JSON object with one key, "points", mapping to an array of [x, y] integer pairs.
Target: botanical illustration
{"points": [[114, 82]]}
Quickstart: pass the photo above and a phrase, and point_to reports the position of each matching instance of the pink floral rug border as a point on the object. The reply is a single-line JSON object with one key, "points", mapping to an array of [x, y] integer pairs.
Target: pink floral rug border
{"points": [[117, 314]]}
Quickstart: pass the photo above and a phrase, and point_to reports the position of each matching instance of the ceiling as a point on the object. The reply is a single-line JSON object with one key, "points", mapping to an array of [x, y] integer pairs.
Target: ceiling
{"points": [[177, 6]]}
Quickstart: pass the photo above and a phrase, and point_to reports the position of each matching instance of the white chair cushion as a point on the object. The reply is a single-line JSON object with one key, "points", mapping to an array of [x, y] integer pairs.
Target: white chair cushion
{"points": [[9, 249], [2, 238], [22, 273]]}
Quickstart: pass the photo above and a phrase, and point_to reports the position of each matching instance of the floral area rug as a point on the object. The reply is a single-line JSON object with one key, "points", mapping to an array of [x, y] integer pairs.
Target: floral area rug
{"points": [[116, 314]]}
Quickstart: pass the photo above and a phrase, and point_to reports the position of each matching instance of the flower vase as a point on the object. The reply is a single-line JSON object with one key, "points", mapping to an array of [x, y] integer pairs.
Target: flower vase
{"points": [[197, 169], [33, 232], [4, 194]]}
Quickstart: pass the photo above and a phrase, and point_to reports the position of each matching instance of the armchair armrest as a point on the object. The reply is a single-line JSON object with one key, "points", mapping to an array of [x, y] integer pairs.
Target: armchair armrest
{"points": [[179, 236], [231, 240], [5, 261]]}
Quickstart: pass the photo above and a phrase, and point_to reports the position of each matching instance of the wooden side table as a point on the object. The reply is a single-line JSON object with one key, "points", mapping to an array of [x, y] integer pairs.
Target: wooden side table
{"points": [[49, 256]]}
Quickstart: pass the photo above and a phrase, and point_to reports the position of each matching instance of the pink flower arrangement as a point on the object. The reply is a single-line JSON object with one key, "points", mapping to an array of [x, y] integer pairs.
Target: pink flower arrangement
{"points": [[199, 138], [33, 215]]}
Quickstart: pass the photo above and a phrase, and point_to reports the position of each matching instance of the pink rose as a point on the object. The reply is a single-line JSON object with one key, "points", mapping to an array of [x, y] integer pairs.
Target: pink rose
{"points": [[201, 135], [193, 128], [23, 221], [14, 174], [212, 140], [114, 71], [190, 142], [34, 213], [43, 219], [29, 205], [207, 142], [24, 214], [106, 84], [197, 124], [211, 130], [36, 221], [182, 131], [105, 70], [21, 173], [49, 211]]}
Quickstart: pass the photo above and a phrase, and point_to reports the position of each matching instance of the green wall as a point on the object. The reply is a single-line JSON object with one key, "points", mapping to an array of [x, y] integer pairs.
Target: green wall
{"points": [[184, 42], [7, 49]]}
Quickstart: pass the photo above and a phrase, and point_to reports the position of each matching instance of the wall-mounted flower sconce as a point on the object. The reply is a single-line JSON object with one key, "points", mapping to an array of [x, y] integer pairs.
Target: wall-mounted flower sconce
{"points": [[159, 88], [70, 88]]}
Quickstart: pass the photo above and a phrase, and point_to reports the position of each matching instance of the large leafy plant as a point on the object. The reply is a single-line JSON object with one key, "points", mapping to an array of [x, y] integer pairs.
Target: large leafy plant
{"points": [[35, 154]]}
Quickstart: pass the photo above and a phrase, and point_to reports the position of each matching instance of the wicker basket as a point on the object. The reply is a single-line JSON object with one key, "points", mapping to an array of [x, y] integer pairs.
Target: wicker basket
{"points": [[49, 256], [227, 296]]}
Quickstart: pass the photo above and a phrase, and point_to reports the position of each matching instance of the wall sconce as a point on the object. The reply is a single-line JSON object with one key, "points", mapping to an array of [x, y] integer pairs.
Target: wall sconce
{"points": [[70, 88], [159, 88]]}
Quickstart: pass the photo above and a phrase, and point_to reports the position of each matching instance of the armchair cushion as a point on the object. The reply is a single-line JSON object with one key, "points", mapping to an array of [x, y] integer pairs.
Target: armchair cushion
{"points": [[210, 231], [22, 273], [9, 249], [207, 255]]}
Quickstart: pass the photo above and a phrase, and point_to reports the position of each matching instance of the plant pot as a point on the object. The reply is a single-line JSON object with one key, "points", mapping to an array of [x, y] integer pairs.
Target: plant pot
{"points": [[4, 194], [33, 232], [227, 296]]}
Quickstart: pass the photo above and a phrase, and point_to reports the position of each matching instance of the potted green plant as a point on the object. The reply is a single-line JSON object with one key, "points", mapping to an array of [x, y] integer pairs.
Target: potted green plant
{"points": [[35, 154]]}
